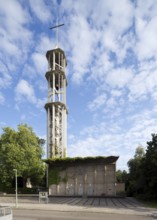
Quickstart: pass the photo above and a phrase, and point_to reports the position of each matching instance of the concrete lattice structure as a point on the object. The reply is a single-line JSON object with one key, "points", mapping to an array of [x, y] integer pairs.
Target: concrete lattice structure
{"points": [[56, 105]]}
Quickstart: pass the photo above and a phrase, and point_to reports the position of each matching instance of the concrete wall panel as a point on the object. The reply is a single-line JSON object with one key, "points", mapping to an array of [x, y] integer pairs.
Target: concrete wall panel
{"points": [[87, 180]]}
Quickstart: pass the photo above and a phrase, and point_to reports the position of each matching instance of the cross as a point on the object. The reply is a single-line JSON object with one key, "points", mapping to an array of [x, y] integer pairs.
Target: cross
{"points": [[57, 26]]}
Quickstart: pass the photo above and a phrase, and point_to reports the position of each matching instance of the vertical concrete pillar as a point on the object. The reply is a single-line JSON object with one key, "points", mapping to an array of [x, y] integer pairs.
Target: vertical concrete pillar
{"points": [[59, 60], [48, 128], [115, 179], [53, 87], [59, 86], [76, 185], [85, 182], [53, 61], [95, 181], [53, 127]]}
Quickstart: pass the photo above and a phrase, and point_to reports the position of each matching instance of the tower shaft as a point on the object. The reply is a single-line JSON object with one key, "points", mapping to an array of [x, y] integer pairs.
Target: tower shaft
{"points": [[56, 105]]}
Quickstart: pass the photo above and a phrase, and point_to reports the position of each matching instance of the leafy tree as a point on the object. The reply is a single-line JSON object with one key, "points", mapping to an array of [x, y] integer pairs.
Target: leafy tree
{"points": [[136, 172], [140, 152], [21, 150], [150, 167], [121, 176]]}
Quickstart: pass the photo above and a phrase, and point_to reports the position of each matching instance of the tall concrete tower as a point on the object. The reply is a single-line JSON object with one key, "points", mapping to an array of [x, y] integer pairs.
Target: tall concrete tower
{"points": [[56, 105]]}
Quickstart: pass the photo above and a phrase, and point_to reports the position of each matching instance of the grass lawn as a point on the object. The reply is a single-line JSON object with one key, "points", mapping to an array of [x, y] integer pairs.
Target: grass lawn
{"points": [[152, 204]]}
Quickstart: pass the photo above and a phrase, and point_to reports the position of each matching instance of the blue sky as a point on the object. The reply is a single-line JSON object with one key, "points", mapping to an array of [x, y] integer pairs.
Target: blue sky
{"points": [[111, 51]]}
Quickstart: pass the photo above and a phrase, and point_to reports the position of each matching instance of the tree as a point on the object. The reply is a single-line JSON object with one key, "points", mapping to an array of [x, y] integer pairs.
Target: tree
{"points": [[136, 172], [21, 150], [139, 153], [150, 167], [121, 176]]}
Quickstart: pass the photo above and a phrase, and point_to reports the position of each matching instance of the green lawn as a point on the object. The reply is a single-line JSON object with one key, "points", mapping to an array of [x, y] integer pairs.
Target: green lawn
{"points": [[152, 204]]}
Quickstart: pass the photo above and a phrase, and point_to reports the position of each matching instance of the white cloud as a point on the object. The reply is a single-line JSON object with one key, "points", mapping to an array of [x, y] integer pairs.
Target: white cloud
{"points": [[116, 93], [96, 30], [5, 78], [101, 65], [40, 62], [146, 34], [111, 103], [41, 10], [111, 138], [41, 103], [9, 47], [14, 18], [119, 77], [82, 40], [142, 84], [2, 99], [114, 22], [23, 91], [44, 44], [15, 37], [98, 102], [29, 71]]}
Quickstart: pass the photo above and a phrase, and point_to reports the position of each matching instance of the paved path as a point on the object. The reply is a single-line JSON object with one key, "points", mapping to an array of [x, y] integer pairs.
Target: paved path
{"points": [[85, 202], [127, 205]]}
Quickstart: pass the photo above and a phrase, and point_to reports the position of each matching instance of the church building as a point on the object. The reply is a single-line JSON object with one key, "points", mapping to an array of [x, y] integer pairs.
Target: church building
{"points": [[91, 176]]}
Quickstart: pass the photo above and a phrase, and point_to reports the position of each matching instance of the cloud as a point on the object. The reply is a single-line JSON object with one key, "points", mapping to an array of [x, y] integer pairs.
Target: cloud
{"points": [[41, 10], [116, 93], [95, 31], [143, 84], [14, 18], [146, 28], [29, 71], [25, 90], [44, 44], [146, 34], [2, 99], [119, 77], [82, 40], [98, 102], [41, 102], [111, 138], [40, 62], [15, 37], [5, 78]]}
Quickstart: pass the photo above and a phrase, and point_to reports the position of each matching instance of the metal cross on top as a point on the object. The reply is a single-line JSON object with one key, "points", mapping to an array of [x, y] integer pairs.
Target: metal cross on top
{"points": [[57, 26]]}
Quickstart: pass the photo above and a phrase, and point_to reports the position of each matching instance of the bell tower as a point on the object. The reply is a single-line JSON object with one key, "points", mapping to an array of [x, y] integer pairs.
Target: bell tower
{"points": [[56, 105]]}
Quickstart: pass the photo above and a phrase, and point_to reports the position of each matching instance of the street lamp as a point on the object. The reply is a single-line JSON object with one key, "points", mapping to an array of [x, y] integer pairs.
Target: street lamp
{"points": [[15, 170], [47, 176]]}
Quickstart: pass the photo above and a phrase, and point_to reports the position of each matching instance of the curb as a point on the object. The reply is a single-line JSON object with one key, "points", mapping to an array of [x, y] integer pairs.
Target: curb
{"points": [[69, 208]]}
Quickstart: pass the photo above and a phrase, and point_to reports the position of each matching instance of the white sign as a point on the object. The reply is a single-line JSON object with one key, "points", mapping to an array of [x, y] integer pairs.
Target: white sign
{"points": [[44, 196]]}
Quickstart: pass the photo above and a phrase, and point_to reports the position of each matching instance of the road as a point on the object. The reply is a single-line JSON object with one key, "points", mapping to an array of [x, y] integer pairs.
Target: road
{"points": [[55, 215]]}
